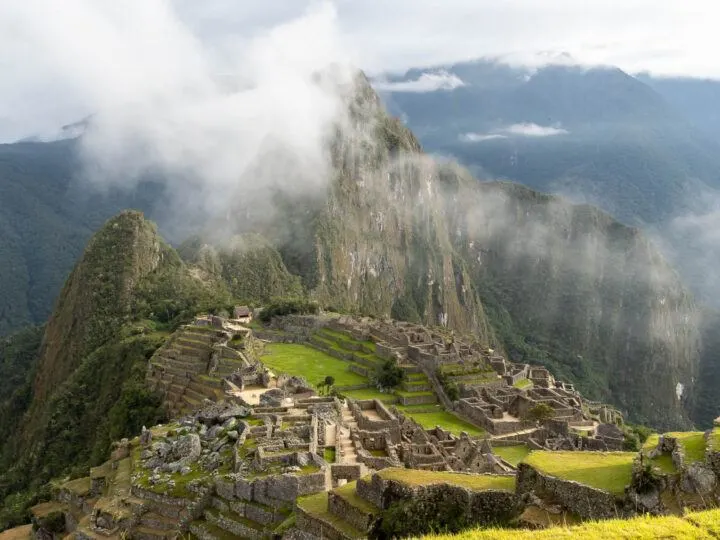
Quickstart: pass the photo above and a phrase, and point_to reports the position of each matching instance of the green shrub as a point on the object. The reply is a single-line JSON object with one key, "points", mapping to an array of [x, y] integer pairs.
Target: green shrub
{"points": [[390, 374], [279, 307]]}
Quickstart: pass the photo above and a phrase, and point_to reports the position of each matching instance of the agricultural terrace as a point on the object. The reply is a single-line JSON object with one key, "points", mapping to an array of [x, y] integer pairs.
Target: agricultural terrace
{"points": [[476, 482], [694, 525], [609, 471], [314, 364], [692, 442], [512, 454], [445, 420]]}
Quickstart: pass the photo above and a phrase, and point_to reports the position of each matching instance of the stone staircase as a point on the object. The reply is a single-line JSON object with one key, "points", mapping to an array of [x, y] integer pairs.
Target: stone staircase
{"points": [[344, 441]]}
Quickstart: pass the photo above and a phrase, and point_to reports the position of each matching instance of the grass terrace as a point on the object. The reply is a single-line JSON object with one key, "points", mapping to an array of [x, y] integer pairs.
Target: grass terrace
{"points": [[699, 525], [523, 384], [445, 420], [662, 462], [317, 506], [309, 363], [475, 482], [609, 471], [693, 443], [512, 454], [348, 493], [714, 440], [370, 393]]}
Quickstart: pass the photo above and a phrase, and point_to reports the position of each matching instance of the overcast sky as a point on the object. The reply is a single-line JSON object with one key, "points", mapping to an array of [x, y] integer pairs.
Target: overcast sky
{"points": [[59, 58]]}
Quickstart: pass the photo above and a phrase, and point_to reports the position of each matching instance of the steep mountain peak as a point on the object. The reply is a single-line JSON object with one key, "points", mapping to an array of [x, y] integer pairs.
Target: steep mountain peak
{"points": [[97, 297]]}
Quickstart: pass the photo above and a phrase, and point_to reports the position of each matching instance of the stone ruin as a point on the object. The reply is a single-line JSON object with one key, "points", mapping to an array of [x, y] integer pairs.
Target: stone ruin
{"points": [[494, 394]]}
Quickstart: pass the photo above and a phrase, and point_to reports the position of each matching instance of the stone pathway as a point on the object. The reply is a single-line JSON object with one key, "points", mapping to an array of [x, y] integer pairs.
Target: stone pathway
{"points": [[349, 455]]}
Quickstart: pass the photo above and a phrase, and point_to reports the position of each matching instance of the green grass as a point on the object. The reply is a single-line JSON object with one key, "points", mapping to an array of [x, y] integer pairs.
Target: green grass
{"points": [[348, 493], [378, 453], [664, 463], [475, 482], [714, 440], [404, 393], [523, 383], [609, 471], [309, 363], [512, 454], [329, 454], [447, 421], [708, 521], [317, 506], [699, 525], [693, 442], [370, 393]]}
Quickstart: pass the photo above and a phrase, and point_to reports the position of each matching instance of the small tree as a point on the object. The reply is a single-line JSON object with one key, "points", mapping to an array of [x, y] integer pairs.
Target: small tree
{"points": [[329, 382], [390, 374], [540, 412]]}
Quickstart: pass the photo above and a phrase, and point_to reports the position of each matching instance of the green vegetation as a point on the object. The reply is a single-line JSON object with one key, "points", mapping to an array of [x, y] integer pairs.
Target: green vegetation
{"points": [[370, 393], [418, 515], [714, 440], [523, 383], [329, 454], [702, 525], [693, 443], [540, 412], [310, 363], [348, 493], [512, 454], [609, 471], [279, 307], [446, 420], [475, 482], [317, 506], [390, 374]]}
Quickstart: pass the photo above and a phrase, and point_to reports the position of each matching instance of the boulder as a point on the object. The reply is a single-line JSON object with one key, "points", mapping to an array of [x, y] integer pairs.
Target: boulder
{"points": [[698, 478]]}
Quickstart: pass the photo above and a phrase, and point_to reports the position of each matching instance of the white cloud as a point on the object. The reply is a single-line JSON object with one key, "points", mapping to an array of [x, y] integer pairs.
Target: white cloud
{"points": [[427, 82], [480, 137], [224, 124], [52, 51], [534, 130], [519, 130]]}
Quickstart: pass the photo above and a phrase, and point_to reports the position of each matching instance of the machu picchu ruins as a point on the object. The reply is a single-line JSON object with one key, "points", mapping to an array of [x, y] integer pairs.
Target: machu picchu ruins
{"points": [[256, 450]]}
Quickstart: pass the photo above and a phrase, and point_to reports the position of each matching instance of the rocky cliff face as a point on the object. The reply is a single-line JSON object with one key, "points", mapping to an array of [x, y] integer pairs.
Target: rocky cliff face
{"points": [[402, 234]]}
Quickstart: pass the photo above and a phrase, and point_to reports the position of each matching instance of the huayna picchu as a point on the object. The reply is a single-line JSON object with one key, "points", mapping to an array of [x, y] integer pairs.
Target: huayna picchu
{"points": [[463, 439]]}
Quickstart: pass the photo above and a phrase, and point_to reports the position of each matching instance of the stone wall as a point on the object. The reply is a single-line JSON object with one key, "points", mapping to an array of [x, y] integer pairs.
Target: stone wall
{"points": [[585, 501], [470, 507]]}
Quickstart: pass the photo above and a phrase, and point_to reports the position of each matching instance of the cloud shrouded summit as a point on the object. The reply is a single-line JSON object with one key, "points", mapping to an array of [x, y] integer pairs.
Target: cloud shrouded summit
{"points": [[224, 123], [61, 59]]}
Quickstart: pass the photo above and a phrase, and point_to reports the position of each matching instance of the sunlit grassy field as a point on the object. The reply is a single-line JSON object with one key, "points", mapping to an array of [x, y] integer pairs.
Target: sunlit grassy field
{"points": [[310, 363], [512, 454], [609, 471], [694, 525], [446, 421], [478, 482]]}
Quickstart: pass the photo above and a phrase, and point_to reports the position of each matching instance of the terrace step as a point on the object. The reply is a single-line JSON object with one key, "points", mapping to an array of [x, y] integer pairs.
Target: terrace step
{"points": [[312, 517], [157, 521], [207, 531], [234, 523], [148, 533]]}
